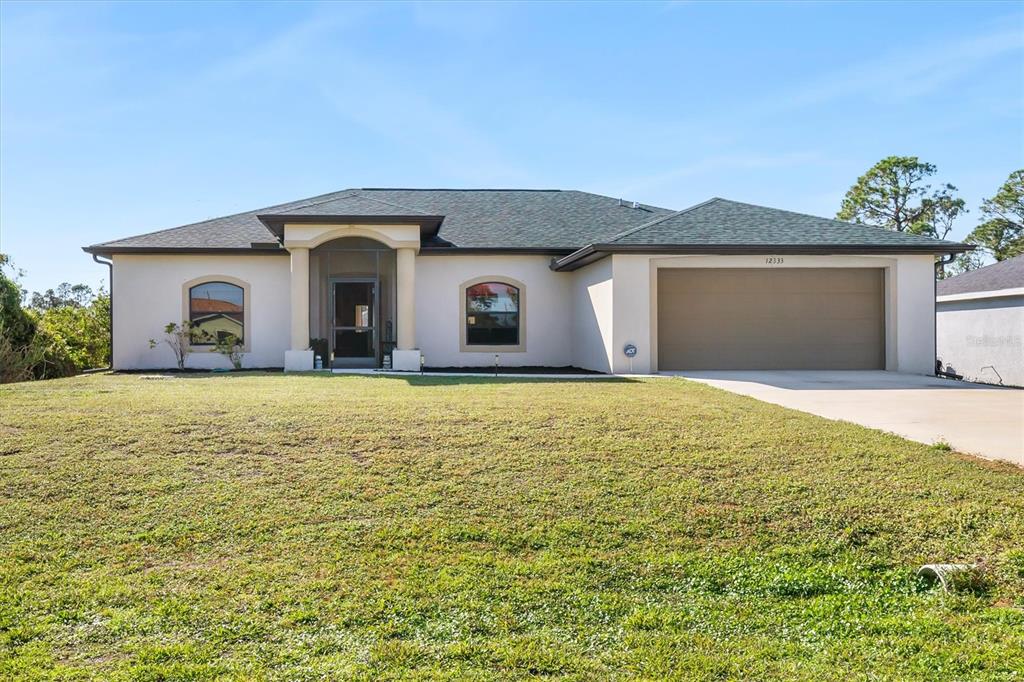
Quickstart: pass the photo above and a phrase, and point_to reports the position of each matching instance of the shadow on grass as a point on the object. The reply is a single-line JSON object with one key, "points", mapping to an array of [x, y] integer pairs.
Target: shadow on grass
{"points": [[455, 379], [411, 379], [418, 380]]}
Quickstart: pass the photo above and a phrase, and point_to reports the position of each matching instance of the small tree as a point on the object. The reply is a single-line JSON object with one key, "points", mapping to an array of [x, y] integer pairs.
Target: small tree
{"points": [[891, 195], [67, 295], [179, 338], [940, 211], [894, 195], [230, 346], [1002, 232]]}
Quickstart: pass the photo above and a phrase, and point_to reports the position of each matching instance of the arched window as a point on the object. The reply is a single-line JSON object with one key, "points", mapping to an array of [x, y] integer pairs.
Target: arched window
{"points": [[216, 310], [492, 314]]}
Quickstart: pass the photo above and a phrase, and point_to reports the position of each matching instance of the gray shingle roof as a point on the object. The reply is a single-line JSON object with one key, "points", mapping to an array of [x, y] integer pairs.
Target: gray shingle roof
{"points": [[1007, 274], [724, 222], [558, 220], [546, 219], [350, 204]]}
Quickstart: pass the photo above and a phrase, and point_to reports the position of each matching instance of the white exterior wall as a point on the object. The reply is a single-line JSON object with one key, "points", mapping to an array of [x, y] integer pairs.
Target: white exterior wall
{"points": [[910, 303], [983, 338], [914, 314], [148, 295], [592, 316], [548, 309]]}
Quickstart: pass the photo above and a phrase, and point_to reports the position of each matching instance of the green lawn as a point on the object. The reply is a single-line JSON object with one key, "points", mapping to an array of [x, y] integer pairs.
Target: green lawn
{"points": [[324, 527]]}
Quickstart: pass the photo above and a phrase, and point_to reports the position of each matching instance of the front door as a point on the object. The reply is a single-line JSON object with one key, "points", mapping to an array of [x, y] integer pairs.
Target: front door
{"points": [[354, 327]]}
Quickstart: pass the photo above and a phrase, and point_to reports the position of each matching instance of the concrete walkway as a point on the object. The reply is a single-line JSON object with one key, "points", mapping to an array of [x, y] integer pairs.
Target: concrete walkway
{"points": [[974, 418]]}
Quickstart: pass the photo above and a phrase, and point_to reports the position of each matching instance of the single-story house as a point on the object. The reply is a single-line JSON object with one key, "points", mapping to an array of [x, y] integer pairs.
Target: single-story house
{"points": [[459, 278], [980, 323]]}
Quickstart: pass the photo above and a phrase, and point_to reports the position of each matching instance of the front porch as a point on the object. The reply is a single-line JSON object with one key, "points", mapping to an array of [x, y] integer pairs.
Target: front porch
{"points": [[352, 295]]}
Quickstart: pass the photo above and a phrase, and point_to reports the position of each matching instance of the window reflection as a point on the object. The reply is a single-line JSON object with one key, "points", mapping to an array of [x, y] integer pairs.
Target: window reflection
{"points": [[492, 314], [216, 310]]}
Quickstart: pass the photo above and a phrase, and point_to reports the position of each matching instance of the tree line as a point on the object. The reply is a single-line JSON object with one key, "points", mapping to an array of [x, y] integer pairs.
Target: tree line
{"points": [[56, 333], [894, 194]]}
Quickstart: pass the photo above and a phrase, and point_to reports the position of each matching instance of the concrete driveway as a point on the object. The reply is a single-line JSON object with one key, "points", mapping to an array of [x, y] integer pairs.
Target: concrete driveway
{"points": [[981, 420]]}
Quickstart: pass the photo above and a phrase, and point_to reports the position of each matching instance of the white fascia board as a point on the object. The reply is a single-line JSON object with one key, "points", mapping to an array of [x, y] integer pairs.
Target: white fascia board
{"points": [[972, 295]]}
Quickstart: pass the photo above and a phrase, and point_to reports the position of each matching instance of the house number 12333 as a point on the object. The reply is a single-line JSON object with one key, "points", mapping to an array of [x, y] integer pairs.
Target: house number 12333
{"points": [[774, 260]]}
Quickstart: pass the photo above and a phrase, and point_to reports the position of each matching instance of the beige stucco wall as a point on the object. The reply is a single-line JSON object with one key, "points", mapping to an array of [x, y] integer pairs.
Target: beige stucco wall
{"points": [[148, 295], [592, 316], [582, 318], [548, 309], [910, 302], [914, 314]]}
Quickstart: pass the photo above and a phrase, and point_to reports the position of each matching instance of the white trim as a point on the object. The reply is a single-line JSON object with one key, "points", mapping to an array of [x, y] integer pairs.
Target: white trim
{"points": [[311, 236], [971, 295]]}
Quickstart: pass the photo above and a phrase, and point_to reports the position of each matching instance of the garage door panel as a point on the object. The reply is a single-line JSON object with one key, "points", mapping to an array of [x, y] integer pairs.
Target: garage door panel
{"points": [[770, 356], [806, 318], [787, 305]]}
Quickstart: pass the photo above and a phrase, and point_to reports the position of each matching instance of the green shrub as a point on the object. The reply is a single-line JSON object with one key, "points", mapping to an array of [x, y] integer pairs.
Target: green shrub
{"points": [[18, 325], [42, 357], [67, 332], [84, 331], [230, 346]]}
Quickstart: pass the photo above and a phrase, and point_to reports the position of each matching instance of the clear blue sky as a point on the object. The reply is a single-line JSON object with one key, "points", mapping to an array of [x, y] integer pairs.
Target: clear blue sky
{"points": [[124, 118]]}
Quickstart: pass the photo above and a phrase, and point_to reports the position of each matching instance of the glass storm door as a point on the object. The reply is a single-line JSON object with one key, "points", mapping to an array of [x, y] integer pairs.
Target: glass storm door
{"points": [[353, 336]]}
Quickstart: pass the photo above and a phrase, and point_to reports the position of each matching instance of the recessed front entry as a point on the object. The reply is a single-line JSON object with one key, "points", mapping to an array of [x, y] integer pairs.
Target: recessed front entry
{"points": [[354, 327], [757, 318]]}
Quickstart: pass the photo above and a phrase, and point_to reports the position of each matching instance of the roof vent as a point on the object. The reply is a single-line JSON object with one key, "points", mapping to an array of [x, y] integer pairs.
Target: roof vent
{"points": [[636, 204], [620, 202]]}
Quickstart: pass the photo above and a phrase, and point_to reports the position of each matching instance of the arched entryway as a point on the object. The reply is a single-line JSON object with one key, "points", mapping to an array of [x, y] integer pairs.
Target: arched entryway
{"points": [[352, 302], [392, 269]]}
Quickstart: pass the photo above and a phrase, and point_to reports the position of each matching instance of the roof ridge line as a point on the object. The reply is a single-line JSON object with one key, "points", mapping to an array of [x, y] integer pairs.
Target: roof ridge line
{"points": [[845, 222], [223, 217], [646, 207], [354, 193], [659, 219], [391, 203], [321, 200], [831, 220], [458, 189]]}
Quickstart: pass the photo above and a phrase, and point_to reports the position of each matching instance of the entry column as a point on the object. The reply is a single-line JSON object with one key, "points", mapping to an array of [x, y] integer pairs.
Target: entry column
{"points": [[407, 356], [299, 357]]}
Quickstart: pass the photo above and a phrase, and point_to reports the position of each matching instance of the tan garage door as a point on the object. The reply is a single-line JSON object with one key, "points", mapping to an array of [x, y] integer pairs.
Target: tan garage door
{"points": [[794, 318]]}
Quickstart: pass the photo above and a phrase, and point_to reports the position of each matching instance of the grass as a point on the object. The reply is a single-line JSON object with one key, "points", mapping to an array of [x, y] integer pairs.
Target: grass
{"points": [[323, 527]]}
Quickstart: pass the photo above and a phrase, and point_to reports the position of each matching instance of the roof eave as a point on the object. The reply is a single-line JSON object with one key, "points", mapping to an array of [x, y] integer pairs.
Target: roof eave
{"points": [[594, 252], [493, 250], [107, 251], [428, 224]]}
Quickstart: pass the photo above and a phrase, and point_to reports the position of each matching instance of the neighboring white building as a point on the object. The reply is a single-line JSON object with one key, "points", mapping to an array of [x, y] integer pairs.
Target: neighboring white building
{"points": [[980, 323], [460, 278]]}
